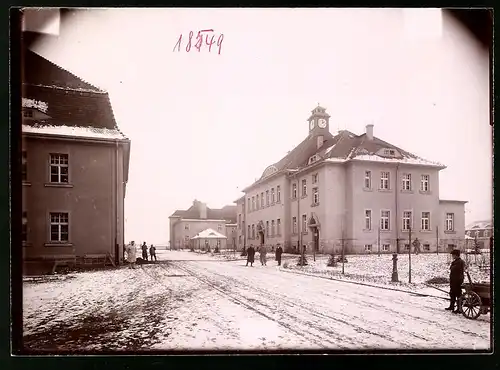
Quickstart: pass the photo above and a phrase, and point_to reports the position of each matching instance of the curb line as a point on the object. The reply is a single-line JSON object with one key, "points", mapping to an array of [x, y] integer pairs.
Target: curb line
{"points": [[359, 283]]}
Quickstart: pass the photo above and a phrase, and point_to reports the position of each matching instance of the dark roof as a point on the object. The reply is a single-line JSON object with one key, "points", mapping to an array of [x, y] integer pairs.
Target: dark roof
{"points": [[227, 213], [71, 101]]}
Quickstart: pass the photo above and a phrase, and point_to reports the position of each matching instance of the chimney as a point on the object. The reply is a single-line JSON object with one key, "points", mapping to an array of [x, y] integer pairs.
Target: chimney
{"points": [[202, 207], [369, 131], [320, 139]]}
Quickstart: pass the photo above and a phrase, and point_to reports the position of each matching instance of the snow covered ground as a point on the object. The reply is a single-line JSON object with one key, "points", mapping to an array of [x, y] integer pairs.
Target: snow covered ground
{"points": [[189, 301]]}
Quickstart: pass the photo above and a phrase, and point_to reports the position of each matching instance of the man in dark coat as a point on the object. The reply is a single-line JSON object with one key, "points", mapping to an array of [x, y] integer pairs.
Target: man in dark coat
{"points": [[250, 255], [144, 248], [152, 252], [279, 252], [457, 268]]}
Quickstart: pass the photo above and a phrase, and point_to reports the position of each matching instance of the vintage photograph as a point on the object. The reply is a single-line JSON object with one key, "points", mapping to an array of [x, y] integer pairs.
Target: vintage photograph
{"points": [[255, 179]]}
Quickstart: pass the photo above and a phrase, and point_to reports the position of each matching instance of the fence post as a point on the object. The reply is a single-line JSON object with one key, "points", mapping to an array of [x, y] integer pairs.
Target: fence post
{"points": [[409, 255]]}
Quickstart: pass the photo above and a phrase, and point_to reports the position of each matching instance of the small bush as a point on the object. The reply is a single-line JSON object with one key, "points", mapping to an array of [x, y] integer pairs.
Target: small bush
{"points": [[438, 280], [302, 261], [332, 261]]}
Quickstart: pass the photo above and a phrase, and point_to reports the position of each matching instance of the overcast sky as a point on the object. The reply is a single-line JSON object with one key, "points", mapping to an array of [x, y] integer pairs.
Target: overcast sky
{"points": [[205, 125]]}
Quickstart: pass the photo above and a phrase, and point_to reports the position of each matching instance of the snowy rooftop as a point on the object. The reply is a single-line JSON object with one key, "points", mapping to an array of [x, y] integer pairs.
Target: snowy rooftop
{"points": [[75, 131]]}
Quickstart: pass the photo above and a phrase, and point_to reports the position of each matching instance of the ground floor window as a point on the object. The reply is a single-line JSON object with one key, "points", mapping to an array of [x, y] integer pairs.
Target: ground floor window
{"points": [[59, 227], [407, 247], [25, 227], [427, 247], [368, 247], [386, 247]]}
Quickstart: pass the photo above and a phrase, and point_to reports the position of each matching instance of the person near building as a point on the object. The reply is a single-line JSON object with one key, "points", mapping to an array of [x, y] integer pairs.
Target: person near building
{"points": [[457, 269], [250, 255], [131, 254], [263, 253], [152, 252], [416, 246], [279, 252]]}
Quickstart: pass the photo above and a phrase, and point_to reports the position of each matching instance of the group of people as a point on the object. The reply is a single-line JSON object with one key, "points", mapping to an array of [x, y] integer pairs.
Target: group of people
{"points": [[131, 250], [250, 252]]}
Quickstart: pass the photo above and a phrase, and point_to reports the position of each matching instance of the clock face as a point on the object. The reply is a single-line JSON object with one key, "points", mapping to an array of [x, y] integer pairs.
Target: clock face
{"points": [[311, 124], [322, 123]]}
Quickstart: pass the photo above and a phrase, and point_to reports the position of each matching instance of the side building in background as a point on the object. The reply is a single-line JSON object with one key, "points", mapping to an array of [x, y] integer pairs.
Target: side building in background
{"points": [[75, 164], [352, 192], [481, 233], [185, 224]]}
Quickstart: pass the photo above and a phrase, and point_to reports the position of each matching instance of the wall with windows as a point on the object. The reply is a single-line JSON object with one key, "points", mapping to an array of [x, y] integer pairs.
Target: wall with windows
{"points": [[74, 181], [184, 230], [260, 206], [452, 224]]}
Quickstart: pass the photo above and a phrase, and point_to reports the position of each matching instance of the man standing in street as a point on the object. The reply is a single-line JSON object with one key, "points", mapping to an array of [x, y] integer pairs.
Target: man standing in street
{"points": [[279, 252], [131, 251], [457, 268]]}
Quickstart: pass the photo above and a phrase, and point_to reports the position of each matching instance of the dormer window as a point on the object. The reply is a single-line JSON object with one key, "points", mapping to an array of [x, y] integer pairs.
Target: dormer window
{"points": [[313, 159], [28, 113], [389, 152]]}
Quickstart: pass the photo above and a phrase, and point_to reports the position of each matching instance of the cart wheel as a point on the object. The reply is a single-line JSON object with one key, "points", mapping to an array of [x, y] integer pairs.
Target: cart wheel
{"points": [[470, 305]]}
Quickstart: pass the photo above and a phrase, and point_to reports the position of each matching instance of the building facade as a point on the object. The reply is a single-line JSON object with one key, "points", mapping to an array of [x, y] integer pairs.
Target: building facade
{"points": [[185, 224], [481, 233], [74, 168], [349, 191]]}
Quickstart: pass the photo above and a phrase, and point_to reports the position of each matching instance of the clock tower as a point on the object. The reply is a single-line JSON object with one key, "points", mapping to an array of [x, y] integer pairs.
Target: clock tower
{"points": [[319, 121]]}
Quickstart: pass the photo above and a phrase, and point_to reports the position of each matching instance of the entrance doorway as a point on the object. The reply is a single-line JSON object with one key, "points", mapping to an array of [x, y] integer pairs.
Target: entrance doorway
{"points": [[261, 237], [315, 233]]}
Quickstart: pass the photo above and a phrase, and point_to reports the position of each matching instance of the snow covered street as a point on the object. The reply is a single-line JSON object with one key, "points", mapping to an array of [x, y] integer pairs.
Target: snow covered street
{"points": [[190, 301]]}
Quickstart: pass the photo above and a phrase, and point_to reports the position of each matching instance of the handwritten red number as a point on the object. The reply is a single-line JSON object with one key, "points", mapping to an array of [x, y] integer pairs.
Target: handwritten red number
{"points": [[199, 41], [178, 45], [219, 41], [188, 46], [210, 43]]}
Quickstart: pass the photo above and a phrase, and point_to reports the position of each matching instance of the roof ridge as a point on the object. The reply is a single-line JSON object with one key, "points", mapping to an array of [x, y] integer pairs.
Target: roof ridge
{"points": [[67, 88], [67, 71]]}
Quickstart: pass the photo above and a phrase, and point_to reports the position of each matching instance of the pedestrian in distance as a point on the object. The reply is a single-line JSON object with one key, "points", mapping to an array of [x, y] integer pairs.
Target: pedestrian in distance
{"points": [[250, 255], [457, 268], [279, 252], [131, 254], [152, 252], [144, 251], [262, 253]]}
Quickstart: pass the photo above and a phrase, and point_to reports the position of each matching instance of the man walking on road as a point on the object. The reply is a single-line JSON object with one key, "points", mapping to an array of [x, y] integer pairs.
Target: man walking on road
{"points": [[263, 252], [250, 255], [131, 251], [457, 268], [279, 252]]}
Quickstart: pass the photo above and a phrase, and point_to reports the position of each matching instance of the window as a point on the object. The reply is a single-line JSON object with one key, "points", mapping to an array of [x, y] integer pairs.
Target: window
{"points": [[304, 187], [426, 221], [267, 197], [486, 233], [449, 224], [257, 201], [253, 231], [267, 229], [385, 220], [239, 221], [368, 219], [294, 191], [313, 159], [25, 227], [253, 203], [315, 178], [59, 227], [315, 196], [249, 205], [406, 220], [239, 240], [368, 179], [262, 200], [294, 225], [278, 194], [304, 223], [407, 247], [386, 247], [243, 207], [368, 247], [278, 226], [186, 239], [248, 233], [272, 196], [219, 227], [407, 181], [59, 168], [424, 183], [427, 247], [273, 228], [451, 247], [24, 165], [186, 227], [389, 152], [28, 113], [384, 180]]}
